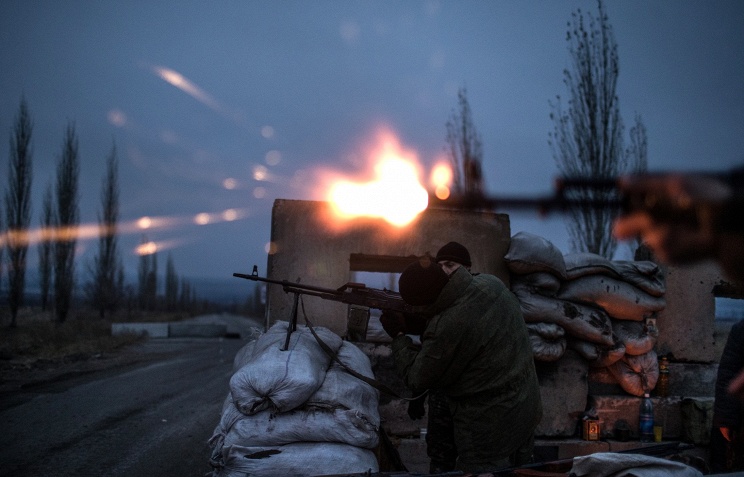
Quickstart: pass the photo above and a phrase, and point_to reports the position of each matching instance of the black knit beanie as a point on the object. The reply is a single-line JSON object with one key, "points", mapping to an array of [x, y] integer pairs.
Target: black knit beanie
{"points": [[454, 252], [421, 282]]}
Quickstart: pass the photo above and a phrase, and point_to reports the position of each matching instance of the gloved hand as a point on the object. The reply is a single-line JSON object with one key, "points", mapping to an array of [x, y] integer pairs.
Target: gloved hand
{"points": [[393, 323], [416, 408]]}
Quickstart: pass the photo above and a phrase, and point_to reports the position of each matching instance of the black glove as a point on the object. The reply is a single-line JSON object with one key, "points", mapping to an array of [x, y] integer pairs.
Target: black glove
{"points": [[393, 323], [416, 408]]}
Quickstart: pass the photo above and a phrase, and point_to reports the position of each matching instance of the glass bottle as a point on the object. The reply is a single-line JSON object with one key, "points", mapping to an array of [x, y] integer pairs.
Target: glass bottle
{"points": [[646, 419]]}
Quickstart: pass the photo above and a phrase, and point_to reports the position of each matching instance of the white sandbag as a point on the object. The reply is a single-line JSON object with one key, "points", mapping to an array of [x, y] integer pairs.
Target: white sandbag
{"points": [[585, 322], [643, 274], [243, 355], [619, 299], [282, 380], [549, 331], [646, 275], [228, 417], [530, 253], [300, 460], [548, 341], [584, 263], [543, 283], [638, 336], [598, 356], [306, 424], [636, 374], [341, 390]]}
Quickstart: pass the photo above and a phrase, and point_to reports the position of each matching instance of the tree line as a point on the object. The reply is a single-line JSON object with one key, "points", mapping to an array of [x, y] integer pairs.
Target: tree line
{"points": [[105, 289]]}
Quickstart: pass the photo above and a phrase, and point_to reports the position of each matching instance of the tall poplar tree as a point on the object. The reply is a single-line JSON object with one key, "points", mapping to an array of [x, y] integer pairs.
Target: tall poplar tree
{"points": [[66, 225], [587, 139], [45, 247], [464, 148], [106, 287], [18, 208]]}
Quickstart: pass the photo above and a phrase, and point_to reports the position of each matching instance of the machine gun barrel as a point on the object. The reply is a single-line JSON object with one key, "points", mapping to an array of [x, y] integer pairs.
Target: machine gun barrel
{"points": [[350, 293], [569, 193]]}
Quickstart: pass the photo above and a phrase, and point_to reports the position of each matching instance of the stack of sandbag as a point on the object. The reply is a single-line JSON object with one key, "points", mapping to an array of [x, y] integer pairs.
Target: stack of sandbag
{"points": [[600, 308], [297, 412]]}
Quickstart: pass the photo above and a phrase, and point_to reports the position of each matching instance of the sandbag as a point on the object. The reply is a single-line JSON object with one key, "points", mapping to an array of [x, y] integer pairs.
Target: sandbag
{"points": [[300, 459], [643, 274], [619, 299], [549, 331], [581, 264], [530, 253], [646, 275], [636, 374], [596, 355], [546, 349], [341, 390], [282, 380], [585, 322], [638, 336], [307, 424], [543, 283]]}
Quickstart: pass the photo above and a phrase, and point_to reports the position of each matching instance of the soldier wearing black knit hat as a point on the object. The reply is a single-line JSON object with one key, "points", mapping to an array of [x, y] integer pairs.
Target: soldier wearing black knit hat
{"points": [[476, 351], [453, 255]]}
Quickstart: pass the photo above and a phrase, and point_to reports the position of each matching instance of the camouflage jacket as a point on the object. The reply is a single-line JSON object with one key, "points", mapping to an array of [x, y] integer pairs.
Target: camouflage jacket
{"points": [[476, 350]]}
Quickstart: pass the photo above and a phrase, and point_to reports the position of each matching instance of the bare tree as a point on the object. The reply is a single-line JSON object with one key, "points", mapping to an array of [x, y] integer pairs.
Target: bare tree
{"points": [[464, 148], [637, 154], [106, 288], [186, 296], [45, 248], [18, 208], [147, 277], [587, 139], [65, 236], [143, 271], [171, 285]]}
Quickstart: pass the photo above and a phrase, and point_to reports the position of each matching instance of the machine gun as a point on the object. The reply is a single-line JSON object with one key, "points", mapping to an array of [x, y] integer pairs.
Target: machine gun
{"points": [[360, 298], [588, 193]]}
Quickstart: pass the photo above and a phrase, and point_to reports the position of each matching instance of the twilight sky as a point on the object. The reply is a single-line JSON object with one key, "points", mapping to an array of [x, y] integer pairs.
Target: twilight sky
{"points": [[203, 98]]}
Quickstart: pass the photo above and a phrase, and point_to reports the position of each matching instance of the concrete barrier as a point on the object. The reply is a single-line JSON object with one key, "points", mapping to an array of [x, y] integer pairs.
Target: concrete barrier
{"points": [[154, 330], [196, 330]]}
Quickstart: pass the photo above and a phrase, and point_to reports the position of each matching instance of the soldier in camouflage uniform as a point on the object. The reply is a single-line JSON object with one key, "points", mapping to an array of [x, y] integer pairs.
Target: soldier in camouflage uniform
{"points": [[476, 350]]}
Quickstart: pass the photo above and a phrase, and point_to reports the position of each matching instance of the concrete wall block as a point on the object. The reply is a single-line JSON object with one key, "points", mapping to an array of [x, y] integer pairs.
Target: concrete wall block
{"points": [[692, 379], [153, 330], [610, 409], [312, 246], [564, 390], [686, 325]]}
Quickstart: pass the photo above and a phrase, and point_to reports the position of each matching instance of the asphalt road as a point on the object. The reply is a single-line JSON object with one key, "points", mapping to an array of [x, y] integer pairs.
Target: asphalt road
{"points": [[146, 419]]}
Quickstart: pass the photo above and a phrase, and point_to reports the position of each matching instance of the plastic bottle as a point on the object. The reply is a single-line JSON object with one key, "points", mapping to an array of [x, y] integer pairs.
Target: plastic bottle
{"points": [[646, 419], [662, 385]]}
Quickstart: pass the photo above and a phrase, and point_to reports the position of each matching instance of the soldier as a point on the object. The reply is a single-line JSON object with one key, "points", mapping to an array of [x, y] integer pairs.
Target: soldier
{"points": [[476, 350]]}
